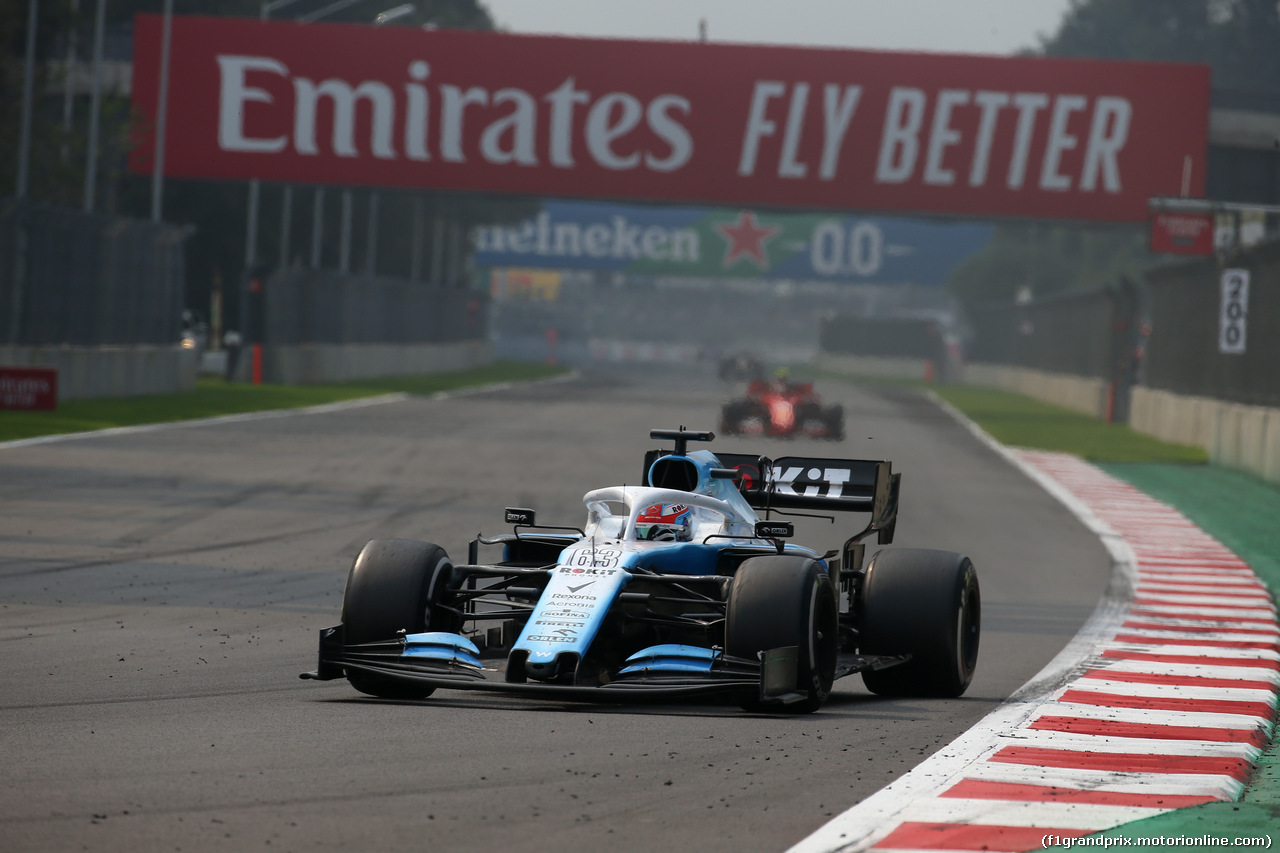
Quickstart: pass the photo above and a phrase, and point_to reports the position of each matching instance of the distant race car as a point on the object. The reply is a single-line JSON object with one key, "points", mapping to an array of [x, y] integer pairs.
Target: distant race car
{"points": [[740, 367], [781, 408], [674, 589]]}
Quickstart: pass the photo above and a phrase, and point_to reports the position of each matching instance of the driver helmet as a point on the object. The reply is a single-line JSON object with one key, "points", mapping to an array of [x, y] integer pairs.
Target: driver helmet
{"points": [[665, 523]]}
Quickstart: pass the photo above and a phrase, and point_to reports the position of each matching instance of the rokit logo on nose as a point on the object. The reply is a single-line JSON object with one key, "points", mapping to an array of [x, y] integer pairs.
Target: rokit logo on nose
{"points": [[587, 571]]}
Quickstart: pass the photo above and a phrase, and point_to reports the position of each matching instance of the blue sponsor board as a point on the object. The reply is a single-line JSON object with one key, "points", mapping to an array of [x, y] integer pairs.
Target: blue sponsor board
{"points": [[711, 242]]}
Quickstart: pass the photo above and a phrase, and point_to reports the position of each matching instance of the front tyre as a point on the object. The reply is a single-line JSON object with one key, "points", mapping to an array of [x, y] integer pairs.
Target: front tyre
{"points": [[394, 585], [783, 600], [925, 604]]}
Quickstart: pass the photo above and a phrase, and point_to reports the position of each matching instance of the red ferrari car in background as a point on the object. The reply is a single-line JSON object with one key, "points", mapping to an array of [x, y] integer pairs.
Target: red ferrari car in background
{"points": [[784, 409]]}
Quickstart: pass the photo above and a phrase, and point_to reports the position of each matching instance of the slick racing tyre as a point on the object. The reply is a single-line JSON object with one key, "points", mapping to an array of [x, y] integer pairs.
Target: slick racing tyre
{"points": [[925, 604], [731, 418], [394, 585], [835, 423], [782, 600]]}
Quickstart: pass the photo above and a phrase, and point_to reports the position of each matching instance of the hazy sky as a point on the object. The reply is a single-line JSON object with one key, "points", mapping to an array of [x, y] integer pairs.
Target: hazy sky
{"points": [[950, 26]]}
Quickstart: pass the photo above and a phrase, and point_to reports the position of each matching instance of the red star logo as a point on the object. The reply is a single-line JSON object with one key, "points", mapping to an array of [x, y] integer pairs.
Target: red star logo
{"points": [[745, 238]]}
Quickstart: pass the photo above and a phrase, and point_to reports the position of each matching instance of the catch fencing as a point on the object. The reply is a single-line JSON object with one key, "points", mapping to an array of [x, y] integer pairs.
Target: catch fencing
{"points": [[68, 277], [303, 306], [1074, 333], [1164, 332], [1185, 353], [1094, 333]]}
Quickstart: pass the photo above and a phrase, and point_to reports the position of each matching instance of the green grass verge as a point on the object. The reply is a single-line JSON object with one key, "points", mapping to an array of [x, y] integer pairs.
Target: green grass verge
{"points": [[1020, 421], [214, 397]]}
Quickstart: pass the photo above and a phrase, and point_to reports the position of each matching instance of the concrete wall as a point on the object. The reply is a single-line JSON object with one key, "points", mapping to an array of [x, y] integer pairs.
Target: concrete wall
{"points": [[1084, 394], [110, 371], [315, 364], [1246, 438]]}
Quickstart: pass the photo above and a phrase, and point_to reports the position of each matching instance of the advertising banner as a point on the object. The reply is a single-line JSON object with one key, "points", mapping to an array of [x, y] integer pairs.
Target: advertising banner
{"points": [[701, 242], [28, 388], [689, 122], [1182, 233]]}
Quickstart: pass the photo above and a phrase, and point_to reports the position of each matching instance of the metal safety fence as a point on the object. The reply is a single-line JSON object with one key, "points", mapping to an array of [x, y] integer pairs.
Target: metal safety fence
{"points": [[68, 277]]}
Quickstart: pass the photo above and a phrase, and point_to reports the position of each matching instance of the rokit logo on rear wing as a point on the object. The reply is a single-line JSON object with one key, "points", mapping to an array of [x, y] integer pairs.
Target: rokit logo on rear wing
{"points": [[810, 480], [799, 482]]}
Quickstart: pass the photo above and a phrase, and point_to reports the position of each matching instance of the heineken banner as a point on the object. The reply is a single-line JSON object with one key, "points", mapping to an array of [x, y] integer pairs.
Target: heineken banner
{"points": [[725, 242]]}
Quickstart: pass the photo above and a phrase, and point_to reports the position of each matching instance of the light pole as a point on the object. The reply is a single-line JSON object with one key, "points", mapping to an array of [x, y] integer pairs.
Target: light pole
{"points": [[28, 80], [255, 190], [162, 116], [265, 10], [24, 168], [95, 106]]}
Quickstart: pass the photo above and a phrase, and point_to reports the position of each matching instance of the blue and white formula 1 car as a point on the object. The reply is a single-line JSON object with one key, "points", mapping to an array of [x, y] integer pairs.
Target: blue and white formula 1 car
{"points": [[674, 589]]}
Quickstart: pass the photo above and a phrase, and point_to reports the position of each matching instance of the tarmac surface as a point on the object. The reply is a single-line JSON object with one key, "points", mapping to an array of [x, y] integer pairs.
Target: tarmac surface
{"points": [[160, 592]]}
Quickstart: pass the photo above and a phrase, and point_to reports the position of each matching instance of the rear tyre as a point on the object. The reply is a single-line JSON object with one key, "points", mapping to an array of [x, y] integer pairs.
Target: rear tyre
{"points": [[835, 423], [731, 418], [394, 585], [753, 418], [926, 604], [784, 600]]}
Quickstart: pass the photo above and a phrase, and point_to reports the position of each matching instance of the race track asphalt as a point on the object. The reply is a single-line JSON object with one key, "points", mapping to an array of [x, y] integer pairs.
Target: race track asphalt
{"points": [[160, 592]]}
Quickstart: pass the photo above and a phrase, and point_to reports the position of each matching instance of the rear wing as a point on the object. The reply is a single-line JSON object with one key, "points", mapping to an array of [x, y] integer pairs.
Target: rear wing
{"points": [[817, 484]]}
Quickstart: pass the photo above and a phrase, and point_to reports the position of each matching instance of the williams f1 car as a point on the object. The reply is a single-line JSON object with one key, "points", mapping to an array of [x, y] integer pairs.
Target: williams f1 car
{"points": [[782, 409], [683, 587]]}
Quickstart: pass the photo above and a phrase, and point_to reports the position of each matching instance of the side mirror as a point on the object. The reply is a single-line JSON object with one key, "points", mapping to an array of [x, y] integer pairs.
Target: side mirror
{"points": [[775, 530]]}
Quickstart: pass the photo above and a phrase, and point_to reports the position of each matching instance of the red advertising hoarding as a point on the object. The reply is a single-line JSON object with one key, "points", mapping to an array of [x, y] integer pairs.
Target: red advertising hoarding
{"points": [[1182, 233], [28, 388], [726, 124]]}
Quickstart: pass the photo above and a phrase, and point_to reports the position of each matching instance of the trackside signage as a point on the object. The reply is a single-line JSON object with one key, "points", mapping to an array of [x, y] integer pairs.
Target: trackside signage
{"points": [[672, 121], [28, 388], [693, 241]]}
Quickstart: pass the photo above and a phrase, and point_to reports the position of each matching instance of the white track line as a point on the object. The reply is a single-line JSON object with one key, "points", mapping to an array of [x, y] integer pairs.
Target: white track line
{"points": [[342, 405]]}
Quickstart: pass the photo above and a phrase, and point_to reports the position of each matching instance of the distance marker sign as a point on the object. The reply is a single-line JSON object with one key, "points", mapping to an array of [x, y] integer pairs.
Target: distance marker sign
{"points": [[1234, 312]]}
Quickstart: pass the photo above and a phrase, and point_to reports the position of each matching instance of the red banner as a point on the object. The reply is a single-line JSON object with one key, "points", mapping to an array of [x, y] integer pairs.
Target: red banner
{"points": [[28, 388], [1182, 233], [672, 121]]}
